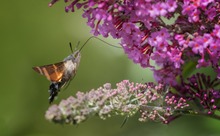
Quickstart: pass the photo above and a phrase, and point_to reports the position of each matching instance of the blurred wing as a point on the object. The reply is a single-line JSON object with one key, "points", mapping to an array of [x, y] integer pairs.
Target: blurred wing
{"points": [[53, 72]]}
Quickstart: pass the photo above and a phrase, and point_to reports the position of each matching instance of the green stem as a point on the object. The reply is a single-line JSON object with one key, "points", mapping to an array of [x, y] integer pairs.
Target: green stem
{"points": [[214, 116], [191, 112]]}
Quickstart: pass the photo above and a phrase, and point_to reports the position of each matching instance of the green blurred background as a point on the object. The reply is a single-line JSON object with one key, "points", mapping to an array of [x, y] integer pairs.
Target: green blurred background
{"points": [[34, 34]]}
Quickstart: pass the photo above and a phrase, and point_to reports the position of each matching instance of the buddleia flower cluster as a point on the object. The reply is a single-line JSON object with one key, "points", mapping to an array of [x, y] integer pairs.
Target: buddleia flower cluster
{"points": [[126, 100], [190, 41]]}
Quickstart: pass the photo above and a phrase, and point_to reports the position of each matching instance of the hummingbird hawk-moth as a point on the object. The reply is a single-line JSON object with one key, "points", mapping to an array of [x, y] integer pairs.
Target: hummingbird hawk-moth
{"points": [[61, 73]]}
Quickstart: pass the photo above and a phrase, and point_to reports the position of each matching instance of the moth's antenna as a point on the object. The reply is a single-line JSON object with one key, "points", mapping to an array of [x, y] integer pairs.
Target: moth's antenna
{"points": [[100, 40], [71, 47]]}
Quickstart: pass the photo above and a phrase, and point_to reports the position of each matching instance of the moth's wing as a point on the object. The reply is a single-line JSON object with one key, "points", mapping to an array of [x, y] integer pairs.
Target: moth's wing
{"points": [[53, 72]]}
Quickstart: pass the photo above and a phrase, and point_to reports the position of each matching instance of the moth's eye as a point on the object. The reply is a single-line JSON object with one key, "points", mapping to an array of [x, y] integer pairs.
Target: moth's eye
{"points": [[76, 54]]}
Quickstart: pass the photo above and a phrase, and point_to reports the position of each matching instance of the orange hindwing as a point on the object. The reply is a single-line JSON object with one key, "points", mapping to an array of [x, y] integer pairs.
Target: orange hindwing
{"points": [[53, 72]]}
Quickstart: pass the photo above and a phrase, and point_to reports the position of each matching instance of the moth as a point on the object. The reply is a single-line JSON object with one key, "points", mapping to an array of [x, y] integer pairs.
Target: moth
{"points": [[60, 73]]}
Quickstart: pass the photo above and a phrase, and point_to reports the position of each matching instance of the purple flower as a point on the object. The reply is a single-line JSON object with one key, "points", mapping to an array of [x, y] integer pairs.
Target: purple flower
{"points": [[211, 13], [171, 5], [138, 24], [175, 58], [203, 63], [216, 31], [201, 90], [166, 75], [159, 39]]}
